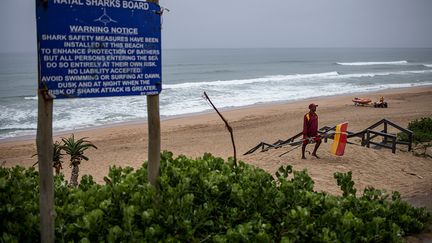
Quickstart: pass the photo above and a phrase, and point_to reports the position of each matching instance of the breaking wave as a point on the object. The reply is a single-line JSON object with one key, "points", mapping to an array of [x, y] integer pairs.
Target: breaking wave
{"points": [[273, 78], [372, 63], [287, 78], [31, 97]]}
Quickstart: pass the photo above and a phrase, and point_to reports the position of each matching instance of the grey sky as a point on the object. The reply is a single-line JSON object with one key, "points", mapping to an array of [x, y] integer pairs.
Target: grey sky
{"points": [[253, 23]]}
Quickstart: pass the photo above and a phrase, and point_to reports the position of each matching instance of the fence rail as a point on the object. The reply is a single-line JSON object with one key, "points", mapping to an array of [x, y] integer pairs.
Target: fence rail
{"points": [[385, 136], [367, 135]]}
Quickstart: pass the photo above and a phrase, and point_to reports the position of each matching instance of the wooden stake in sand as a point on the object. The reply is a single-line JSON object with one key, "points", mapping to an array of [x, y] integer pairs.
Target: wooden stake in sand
{"points": [[153, 138], [412, 173], [44, 145], [227, 126], [154, 144]]}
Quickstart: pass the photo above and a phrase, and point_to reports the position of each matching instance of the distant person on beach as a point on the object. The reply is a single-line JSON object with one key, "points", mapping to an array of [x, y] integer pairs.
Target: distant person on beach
{"points": [[310, 130]]}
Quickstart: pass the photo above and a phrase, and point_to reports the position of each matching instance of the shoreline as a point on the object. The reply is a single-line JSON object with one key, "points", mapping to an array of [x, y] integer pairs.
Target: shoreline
{"points": [[143, 121], [192, 136]]}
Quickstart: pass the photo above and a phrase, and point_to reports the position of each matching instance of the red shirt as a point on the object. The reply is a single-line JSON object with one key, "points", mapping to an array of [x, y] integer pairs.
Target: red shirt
{"points": [[310, 125]]}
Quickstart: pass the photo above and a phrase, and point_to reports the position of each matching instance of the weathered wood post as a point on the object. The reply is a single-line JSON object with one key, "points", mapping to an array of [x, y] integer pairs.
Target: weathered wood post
{"points": [[55, 66], [385, 131], [154, 140], [44, 145], [367, 138], [410, 140]]}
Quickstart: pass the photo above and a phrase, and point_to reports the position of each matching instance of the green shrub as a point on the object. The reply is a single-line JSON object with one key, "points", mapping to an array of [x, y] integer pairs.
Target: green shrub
{"points": [[422, 130], [205, 199]]}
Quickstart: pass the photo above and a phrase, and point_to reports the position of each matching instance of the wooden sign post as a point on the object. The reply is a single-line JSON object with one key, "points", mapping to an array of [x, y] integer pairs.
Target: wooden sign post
{"points": [[92, 49], [44, 145], [154, 136]]}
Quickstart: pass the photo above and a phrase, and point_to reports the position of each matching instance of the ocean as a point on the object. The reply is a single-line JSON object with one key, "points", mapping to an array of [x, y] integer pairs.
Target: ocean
{"points": [[231, 77]]}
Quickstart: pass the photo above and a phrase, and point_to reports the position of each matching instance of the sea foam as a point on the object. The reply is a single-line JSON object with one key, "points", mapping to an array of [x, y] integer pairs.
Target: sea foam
{"points": [[286, 78], [271, 78], [232, 79], [372, 63]]}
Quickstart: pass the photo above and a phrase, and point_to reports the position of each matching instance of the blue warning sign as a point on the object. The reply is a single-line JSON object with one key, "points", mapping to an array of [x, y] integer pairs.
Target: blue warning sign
{"points": [[97, 48]]}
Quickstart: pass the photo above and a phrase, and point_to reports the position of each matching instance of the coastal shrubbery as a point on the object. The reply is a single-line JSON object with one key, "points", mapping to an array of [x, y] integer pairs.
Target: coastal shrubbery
{"points": [[205, 199], [422, 136], [422, 129], [75, 148]]}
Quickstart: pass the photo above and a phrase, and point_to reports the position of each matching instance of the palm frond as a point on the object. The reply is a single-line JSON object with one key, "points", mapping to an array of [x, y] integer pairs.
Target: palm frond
{"points": [[57, 155], [76, 148]]}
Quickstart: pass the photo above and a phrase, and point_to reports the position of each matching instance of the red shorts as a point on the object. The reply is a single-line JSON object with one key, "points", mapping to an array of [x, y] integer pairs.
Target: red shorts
{"points": [[315, 138]]}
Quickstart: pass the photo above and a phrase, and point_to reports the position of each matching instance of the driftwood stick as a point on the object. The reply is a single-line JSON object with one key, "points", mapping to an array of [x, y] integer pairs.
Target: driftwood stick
{"points": [[227, 126], [290, 150], [413, 174]]}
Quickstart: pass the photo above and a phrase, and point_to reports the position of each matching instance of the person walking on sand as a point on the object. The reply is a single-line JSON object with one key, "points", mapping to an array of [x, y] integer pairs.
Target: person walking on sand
{"points": [[310, 130]]}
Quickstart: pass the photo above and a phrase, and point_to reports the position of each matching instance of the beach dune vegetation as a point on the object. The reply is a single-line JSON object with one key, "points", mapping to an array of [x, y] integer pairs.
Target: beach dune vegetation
{"points": [[422, 136], [422, 129], [205, 199], [75, 149], [57, 158]]}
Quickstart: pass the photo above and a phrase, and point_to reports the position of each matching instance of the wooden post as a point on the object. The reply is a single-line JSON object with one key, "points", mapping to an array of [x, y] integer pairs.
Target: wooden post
{"points": [[385, 131], [410, 139], [153, 138], [367, 138], [44, 145], [229, 129]]}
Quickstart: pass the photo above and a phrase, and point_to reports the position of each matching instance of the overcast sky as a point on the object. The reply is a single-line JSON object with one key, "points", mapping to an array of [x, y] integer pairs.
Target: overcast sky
{"points": [[253, 23]]}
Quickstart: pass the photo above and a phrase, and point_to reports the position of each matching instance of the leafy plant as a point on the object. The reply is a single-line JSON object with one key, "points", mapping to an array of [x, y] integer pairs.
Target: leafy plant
{"points": [[76, 148], [19, 204], [57, 157], [204, 199], [344, 180], [422, 130]]}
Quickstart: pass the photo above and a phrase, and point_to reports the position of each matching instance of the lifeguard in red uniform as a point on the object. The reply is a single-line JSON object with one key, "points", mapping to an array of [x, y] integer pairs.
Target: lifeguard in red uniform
{"points": [[310, 130]]}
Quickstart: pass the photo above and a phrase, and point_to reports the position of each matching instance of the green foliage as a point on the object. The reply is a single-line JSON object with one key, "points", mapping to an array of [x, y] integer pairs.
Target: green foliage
{"points": [[72, 147], [422, 130], [19, 204], [76, 148], [57, 157], [205, 199], [344, 180]]}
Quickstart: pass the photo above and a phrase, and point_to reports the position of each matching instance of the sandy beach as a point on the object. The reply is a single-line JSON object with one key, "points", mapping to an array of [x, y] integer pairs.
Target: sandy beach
{"points": [[126, 145]]}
